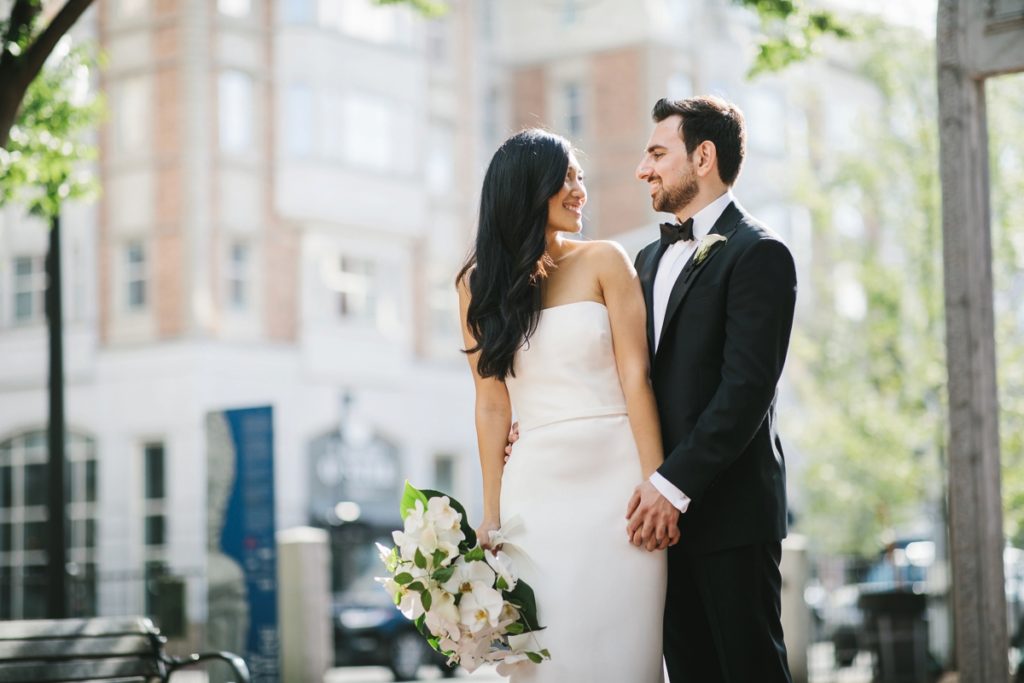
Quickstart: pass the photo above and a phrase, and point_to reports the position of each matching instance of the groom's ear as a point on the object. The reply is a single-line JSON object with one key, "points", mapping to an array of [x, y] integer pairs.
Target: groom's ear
{"points": [[705, 158]]}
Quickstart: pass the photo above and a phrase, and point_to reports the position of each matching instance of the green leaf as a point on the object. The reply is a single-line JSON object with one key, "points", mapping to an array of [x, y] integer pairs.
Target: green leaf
{"points": [[426, 599], [522, 597], [419, 559], [502, 584], [416, 586], [515, 629], [475, 555], [410, 495], [443, 574], [439, 557], [534, 657], [403, 578]]}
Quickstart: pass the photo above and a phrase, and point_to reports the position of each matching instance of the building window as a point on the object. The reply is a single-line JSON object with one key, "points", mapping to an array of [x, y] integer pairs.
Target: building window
{"points": [[153, 468], [570, 12], [298, 11], [130, 108], [24, 529], [29, 289], [238, 268], [766, 110], [369, 131], [356, 295], [333, 139], [444, 473], [366, 20], [235, 8], [680, 86], [440, 169], [154, 518], [573, 103], [236, 101], [298, 120], [135, 276], [130, 8]]}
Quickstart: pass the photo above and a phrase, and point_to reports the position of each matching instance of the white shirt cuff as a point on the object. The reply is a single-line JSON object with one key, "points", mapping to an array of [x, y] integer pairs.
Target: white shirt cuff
{"points": [[680, 501]]}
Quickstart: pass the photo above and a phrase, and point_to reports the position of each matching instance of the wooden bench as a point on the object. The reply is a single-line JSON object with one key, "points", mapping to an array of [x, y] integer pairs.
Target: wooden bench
{"points": [[113, 650]]}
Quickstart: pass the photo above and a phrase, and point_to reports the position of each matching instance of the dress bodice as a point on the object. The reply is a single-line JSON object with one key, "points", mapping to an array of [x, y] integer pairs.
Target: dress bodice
{"points": [[567, 369]]}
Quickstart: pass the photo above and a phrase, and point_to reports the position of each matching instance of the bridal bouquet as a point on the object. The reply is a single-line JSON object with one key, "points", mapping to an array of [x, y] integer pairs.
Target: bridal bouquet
{"points": [[466, 601]]}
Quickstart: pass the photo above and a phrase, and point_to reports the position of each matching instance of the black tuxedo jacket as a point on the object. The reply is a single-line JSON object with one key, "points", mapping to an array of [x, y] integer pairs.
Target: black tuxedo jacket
{"points": [[723, 344]]}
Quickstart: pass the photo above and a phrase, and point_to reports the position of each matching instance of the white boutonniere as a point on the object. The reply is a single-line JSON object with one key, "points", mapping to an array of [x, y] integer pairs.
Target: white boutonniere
{"points": [[705, 247]]}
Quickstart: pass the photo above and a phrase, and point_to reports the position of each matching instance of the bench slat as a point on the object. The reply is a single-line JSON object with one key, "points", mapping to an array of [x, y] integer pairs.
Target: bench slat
{"points": [[69, 648], [80, 670], [74, 628]]}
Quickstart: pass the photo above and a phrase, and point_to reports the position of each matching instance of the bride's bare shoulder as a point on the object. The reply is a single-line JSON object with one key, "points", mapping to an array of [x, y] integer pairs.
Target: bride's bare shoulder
{"points": [[608, 255]]}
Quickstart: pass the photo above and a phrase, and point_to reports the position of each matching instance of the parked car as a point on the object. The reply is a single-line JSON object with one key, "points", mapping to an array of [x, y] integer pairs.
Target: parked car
{"points": [[370, 631], [902, 566]]}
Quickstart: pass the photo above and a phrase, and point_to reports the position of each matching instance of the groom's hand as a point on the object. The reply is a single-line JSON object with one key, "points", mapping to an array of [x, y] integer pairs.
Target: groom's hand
{"points": [[513, 436], [653, 521]]}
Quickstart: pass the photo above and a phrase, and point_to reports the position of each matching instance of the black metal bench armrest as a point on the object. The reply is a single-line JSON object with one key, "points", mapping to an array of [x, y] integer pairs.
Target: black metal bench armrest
{"points": [[236, 663]]}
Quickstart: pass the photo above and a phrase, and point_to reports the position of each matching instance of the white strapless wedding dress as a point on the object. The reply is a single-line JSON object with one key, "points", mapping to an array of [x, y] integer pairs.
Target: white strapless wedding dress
{"points": [[563, 498]]}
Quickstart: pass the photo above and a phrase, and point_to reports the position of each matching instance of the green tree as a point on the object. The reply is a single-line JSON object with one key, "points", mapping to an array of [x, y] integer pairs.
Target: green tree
{"points": [[27, 44], [791, 32], [1006, 151], [872, 390], [872, 387]]}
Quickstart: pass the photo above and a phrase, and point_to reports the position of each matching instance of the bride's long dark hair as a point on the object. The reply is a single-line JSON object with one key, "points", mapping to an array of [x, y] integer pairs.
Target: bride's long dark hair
{"points": [[509, 260]]}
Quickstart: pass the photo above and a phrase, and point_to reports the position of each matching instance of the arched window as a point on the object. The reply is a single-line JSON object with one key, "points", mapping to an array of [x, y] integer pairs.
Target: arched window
{"points": [[23, 524]]}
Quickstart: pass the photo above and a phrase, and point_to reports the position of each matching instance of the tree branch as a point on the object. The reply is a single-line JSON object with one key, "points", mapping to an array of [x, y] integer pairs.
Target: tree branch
{"points": [[22, 16], [35, 56]]}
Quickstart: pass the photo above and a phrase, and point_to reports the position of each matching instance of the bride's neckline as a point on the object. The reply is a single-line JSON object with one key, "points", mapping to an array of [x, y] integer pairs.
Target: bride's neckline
{"points": [[574, 303]]}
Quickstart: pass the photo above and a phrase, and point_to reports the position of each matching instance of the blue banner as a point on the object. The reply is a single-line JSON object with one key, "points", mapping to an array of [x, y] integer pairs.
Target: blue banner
{"points": [[242, 551]]}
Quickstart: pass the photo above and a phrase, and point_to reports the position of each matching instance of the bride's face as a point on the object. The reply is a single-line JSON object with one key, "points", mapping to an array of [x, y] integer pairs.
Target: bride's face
{"points": [[565, 207], [667, 168]]}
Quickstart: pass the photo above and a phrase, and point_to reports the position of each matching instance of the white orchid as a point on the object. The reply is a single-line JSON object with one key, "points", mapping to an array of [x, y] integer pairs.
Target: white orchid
{"points": [[442, 619], [481, 608], [447, 524], [501, 563], [428, 529], [469, 577], [509, 661], [411, 605]]}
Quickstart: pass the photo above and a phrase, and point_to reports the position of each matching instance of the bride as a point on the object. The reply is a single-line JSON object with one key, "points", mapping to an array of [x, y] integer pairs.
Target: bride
{"points": [[555, 332]]}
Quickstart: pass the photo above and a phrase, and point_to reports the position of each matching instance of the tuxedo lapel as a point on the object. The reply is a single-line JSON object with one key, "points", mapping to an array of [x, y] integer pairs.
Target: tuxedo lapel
{"points": [[648, 269], [724, 226]]}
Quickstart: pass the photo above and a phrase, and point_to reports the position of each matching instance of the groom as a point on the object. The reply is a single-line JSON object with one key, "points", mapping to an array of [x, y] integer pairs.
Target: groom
{"points": [[720, 291]]}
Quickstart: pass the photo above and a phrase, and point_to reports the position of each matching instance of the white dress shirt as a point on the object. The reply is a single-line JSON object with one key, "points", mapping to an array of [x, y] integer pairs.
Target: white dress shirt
{"points": [[669, 267]]}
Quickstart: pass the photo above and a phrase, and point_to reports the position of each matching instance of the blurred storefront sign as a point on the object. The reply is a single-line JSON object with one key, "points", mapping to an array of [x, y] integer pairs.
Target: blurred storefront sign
{"points": [[241, 550]]}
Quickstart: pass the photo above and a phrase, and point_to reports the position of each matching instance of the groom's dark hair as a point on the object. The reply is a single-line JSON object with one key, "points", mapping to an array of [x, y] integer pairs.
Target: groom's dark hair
{"points": [[710, 118]]}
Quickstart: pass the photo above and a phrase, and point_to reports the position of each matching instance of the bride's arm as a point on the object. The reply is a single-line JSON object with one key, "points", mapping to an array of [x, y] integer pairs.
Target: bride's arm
{"points": [[628, 315], [493, 420]]}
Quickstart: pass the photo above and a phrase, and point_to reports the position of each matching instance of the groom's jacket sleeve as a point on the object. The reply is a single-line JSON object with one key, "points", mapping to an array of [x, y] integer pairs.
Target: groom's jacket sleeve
{"points": [[760, 301]]}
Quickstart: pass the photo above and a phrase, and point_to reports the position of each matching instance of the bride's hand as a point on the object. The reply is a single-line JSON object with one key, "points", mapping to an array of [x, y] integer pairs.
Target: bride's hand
{"points": [[483, 536]]}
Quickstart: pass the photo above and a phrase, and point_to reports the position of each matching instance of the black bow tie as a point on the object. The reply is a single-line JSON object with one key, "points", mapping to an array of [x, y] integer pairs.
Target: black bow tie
{"points": [[673, 232]]}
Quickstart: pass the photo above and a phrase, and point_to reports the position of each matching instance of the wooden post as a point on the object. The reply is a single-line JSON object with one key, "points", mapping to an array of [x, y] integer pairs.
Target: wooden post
{"points": [[975, 40], [56, 543]]}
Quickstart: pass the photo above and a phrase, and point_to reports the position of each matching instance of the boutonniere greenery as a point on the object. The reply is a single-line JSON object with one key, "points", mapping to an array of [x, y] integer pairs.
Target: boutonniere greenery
{"points": [[706, 245]]}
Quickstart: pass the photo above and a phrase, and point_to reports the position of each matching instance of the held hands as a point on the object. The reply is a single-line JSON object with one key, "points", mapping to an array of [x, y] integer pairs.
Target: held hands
{"points": [[653, 522]]}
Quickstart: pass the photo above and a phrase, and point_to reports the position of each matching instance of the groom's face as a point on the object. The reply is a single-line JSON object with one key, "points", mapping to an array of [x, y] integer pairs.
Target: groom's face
{"points": [[667, 169]]}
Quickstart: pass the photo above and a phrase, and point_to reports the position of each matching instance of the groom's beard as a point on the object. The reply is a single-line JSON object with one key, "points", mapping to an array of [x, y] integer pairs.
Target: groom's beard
{"points": [[674, 200]]}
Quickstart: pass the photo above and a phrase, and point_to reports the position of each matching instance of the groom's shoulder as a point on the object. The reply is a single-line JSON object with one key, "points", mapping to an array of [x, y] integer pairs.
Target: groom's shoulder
{"points": [[750, 230]]}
